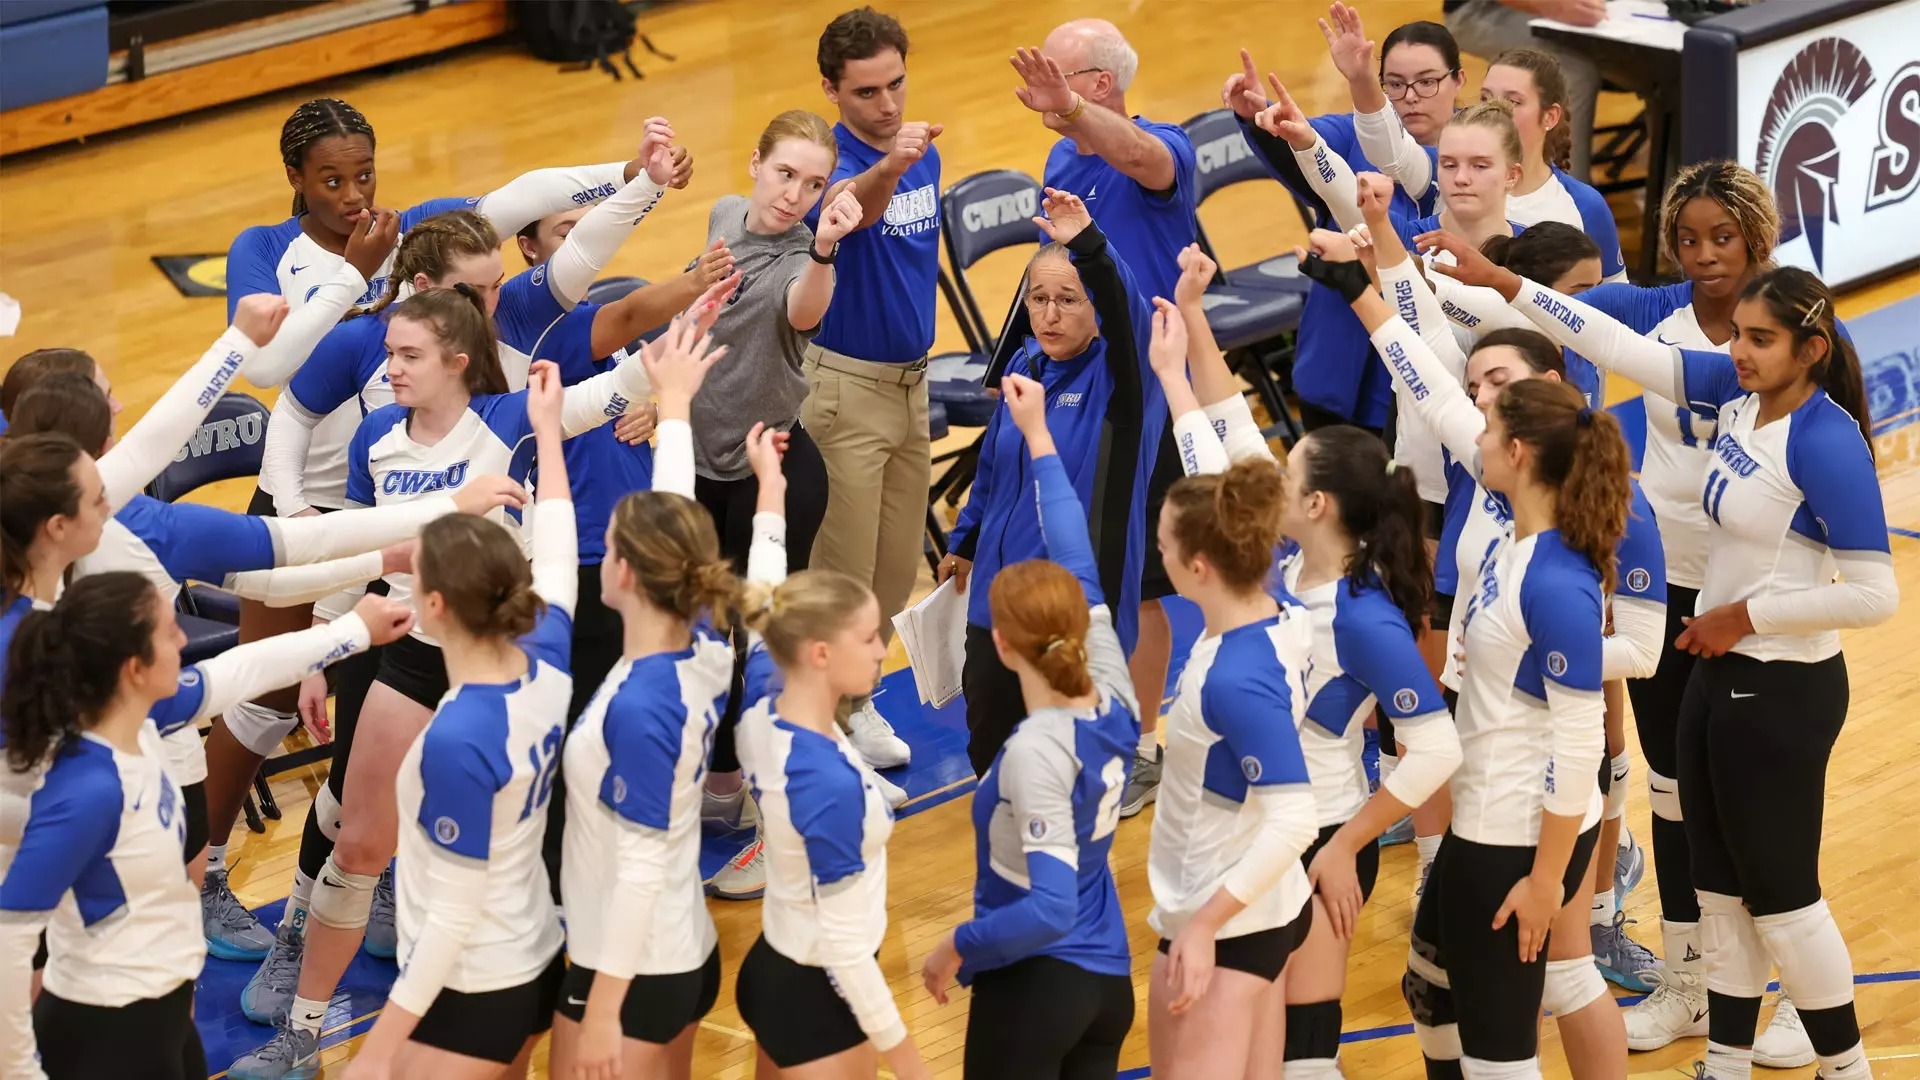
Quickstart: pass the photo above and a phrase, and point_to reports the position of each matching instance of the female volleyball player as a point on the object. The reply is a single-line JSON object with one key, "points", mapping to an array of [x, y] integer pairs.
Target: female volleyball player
{"points": [[1792, 500], [90, 686], [1046, 951], [1090, 327]]}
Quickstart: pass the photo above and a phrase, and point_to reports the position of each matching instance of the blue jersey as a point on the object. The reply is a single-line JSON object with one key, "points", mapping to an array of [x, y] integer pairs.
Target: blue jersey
{"points": [[1147, 229], [886, 274], [193, 542], [1046, 810], [610, 468]]}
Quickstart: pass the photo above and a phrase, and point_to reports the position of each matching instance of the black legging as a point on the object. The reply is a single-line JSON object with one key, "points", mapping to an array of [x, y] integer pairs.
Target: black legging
{"points": [[994, 701], [1046, 1019], [731, 502], [153, 1039], [1656, 715]]}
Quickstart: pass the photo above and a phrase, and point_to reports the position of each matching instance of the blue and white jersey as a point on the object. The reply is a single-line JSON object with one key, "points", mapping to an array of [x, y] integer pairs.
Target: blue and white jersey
{"points": [[826, 827], [1531, 720], [16, 788], [1234, 777], [1046, 809], [282, 259], [1570, 201], [100, 867], [473, 907], [634, 763], [1362, 652]]}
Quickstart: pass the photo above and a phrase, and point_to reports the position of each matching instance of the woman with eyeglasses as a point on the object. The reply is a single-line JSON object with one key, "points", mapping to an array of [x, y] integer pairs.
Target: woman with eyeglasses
{"points": [[1088, 350]]}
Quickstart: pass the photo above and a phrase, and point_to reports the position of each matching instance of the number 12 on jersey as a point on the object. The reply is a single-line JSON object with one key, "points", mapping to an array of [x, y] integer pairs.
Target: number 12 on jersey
{"points": [[544, 756]]}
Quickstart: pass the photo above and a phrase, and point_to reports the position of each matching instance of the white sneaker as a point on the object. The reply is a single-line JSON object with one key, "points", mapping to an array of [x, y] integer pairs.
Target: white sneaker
{"points": [[1784, 1043], [735, 811], [870, 734], [895, 794], [1677, 1009], [745, 875]]}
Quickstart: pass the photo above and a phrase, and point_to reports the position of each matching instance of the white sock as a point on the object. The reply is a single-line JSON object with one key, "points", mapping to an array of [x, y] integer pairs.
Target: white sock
{"points": [[1728, 1063], [1626, 837], [1602, 914], [307, 1014], [1428, 846], [1848, 1065], [1149, 743], [216, 858]]}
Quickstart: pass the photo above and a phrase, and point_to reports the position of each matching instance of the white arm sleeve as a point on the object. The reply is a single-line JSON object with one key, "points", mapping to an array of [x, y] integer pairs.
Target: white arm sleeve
{"points": [[844, 929], [1865, 595], [1385, 142], [1475, 307], [304, 326], [673, 457], [1579, 746], [291, 586], [298, 541], [283, 461], [593, 402], [597, 236], [456, 894], [556, 554], [1639, 636], [146, 450], [531, 196], [19, 937], [1332, 179], [1410, 295], [767, 557], [1287, 826], [1434, 393], [1201, 452], [1234, 424], [244, 672], [1432, 754], [1604, 340]]}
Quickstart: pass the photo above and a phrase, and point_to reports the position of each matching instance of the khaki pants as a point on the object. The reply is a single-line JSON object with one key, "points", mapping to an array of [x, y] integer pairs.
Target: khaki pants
{"points": [[870, 422]]}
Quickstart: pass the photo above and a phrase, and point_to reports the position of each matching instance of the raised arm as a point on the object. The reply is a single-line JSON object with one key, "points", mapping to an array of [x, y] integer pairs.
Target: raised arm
{"points": [[652, 305], [811, 292], [874, 188], [1325, 171], [767, 553], [533, 195], [368, 245], [676, 363], [1116, 139], [600, 231], [556, 545]]}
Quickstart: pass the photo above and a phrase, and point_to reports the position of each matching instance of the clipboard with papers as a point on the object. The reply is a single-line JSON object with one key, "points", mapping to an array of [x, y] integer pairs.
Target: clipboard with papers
{"points": [[934, 633]]}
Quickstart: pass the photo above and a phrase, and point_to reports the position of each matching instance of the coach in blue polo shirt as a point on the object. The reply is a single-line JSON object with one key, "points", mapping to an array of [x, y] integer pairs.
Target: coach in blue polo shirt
{"points": [[1138, 178], [867, 367]]}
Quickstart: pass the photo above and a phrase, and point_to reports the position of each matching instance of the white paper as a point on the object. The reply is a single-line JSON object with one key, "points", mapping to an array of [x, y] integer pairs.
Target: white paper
{"points": [[934, 633], [9, 315]]}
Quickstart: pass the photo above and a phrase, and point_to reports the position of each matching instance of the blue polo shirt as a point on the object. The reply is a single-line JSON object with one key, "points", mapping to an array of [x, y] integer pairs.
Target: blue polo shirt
{"points": [[887, 274], [1147, 230]]}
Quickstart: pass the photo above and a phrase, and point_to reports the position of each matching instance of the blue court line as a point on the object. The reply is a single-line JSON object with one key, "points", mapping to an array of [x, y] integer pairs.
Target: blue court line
{"points": [[1908, 533]]}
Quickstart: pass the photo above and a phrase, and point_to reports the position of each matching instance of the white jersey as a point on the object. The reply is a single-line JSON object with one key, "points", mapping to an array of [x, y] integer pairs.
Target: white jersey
{"points": [[1532, 725], [1235, 780], [472, 903], [1569, 201], [826, 827], [630, 877]]}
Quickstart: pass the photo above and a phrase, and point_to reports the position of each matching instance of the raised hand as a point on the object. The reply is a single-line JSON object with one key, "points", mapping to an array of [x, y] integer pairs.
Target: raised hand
{"points": [[259, 315], [766, 448], [656, 150], [483, 493], [387, 620], [1468, 265], [1331, 246], [1242, 90], [1046, 88], [1066, 216], [1168, 348], [714, 265], [910, 143], [1284, 120], [1196, 273], [839, 215], [374, 234], [705, 310], [1375, 195], [676, 362], [1027, 403], [545, 396], [1347, 43], [682, 168]]}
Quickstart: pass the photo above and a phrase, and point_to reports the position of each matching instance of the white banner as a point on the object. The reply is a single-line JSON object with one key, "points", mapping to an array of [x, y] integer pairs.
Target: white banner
{"points": [[1830, 119]]}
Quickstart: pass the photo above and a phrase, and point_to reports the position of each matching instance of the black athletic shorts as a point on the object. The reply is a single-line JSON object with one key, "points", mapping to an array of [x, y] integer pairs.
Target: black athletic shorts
{"points": [[1442, 611], [1154, 583], [1434, 517], [1262, 953], [153, 1038], [794, 1010], [414, 668], [1044, 1018], [658, 1007], [493, 1024], [1366, 861], [193, 803], [261, 505]]}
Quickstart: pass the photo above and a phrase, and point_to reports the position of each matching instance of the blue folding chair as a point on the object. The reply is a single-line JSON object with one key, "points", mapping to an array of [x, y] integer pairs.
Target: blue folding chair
{"points": [[227, 446]]}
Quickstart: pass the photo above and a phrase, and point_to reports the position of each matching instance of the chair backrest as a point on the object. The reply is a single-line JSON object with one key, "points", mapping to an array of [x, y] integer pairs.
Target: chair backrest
{"points": [[607, 290], [982, 214], [227, 446], [1225, 158]]}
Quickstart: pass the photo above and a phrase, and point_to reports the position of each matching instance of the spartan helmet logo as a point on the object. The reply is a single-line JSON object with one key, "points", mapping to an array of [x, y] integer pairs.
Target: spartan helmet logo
{"points": [[1798, 156]]}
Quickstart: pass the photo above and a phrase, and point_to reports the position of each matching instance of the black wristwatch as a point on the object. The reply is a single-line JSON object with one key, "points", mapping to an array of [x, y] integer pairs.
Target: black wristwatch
{"points": [[824, 260]]}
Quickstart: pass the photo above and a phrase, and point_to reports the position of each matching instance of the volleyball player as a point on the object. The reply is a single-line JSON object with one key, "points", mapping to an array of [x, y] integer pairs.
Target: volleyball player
{"points": [[1792, 502], [644, 956], [1046, 950], [811, 988], [90, 686], [477, 922]]}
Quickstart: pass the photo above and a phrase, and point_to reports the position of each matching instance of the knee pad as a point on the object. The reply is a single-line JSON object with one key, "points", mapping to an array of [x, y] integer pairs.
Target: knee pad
{"points": [[342, 900], [1429, 998], [326, 813], [1815, 967], [1313, 1034], [1617, 789], [257, 727], [1476, 1069], [1664, 793], [1572, 985], [1736, 960]]}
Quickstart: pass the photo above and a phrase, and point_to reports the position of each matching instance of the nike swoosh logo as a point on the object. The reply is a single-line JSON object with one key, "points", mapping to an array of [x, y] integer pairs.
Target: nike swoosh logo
{"points": [[1737, 695], [571, 1000], [1699, 1016], [297, 269], [1662, 340]]}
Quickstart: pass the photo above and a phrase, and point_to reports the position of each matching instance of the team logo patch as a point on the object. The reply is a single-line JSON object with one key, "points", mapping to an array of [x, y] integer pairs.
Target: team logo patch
{"points": [[619, 790], [1638, 580], [189, 677], [1406, 700], [446, 830], [1556, 664], [1037, 828], [1250, 767]]}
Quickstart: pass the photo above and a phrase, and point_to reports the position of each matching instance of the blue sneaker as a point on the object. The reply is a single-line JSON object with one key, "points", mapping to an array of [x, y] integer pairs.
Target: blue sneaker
{"points": [[292, 1054], [1624, 961], [1629, 867], [1401, 833], [232, 931], [269, 994]]}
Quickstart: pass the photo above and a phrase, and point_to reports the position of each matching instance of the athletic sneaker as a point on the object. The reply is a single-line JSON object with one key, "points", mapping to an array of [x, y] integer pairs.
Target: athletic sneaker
{"points": [[870, 734], [232, 931], [269, 994], [1400, 833], [1629, 866], [1677, 1009], [895, 795], [1784, 1043], [1143, 782], [1622, 960], [735, 812], [382, 938], [745, 875], [292, 1054]]}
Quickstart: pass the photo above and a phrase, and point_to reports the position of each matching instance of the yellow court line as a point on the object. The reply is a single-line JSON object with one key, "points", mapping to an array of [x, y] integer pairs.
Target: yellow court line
{"points": [[743, 1036]]}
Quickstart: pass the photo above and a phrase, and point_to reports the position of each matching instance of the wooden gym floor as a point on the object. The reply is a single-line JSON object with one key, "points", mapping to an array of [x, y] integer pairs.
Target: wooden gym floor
{"points": [[78, 225]]}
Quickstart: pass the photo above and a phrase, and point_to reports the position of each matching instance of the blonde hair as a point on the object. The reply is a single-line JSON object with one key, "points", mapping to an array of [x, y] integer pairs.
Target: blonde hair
{"points": [[1739, 191], [802, 125], [812, 605], [431, 246], [1497, 116], [670, 542]]}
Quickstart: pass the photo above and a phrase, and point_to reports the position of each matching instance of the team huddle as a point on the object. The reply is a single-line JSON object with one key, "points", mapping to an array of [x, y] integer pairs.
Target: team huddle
{"points": [[583, 570]]}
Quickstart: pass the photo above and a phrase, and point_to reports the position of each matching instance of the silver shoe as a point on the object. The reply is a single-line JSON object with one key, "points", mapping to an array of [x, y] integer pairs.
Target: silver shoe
{"points": [[292, 1054], [1143, 782], [232, 931], [382, 938], [269, 994]]}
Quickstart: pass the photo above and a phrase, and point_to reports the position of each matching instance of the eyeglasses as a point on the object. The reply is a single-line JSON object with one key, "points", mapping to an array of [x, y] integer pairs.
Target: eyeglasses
{"points": [[1082, 71], [1065, 305], [1396, 89]]}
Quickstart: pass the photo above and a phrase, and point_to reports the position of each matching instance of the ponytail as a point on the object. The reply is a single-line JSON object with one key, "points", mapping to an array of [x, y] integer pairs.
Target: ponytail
{"points": [[669, 542], [64, 665], [1041, 614], [477, 568], [36, 483], [1579, 451], [1803, 304], [1232, 519], [1380, 509], [812, 605]]}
